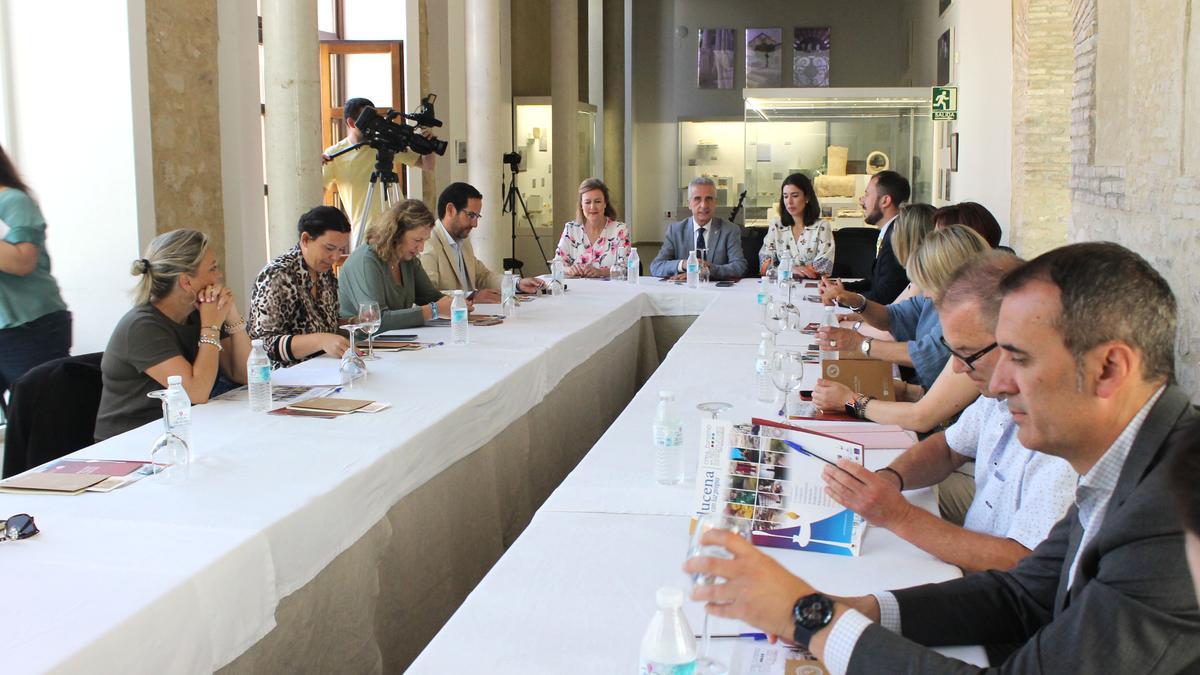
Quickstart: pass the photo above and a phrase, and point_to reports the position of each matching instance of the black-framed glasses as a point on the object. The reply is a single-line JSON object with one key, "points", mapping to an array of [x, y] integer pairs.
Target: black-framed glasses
{"points": [[969, 360], [20, 526]]}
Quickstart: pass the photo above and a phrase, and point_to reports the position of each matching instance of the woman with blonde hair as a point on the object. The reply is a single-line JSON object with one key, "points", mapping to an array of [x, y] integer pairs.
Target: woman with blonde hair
{"points": [[595, 240], [914, 322], [184, 322], [387, 271]]}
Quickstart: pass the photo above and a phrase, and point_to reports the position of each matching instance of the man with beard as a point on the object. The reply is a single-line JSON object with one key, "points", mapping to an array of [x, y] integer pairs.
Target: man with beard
{"points": [[885, 192]]}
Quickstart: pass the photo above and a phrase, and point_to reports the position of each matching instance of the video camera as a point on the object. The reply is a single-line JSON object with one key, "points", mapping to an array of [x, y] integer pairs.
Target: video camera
{"points": [[381, 133]]}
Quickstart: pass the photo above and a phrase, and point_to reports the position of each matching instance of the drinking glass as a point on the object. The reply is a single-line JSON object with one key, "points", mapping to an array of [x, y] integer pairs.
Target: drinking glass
{"points": [[169, 455], [369, 321], [714, 408], [705, 664], [775, 316], [701, 256], [787, 374]]}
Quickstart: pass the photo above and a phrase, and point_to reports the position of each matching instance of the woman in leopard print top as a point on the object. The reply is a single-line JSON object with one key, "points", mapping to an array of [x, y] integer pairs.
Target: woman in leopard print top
{"points": [[294, 307]]}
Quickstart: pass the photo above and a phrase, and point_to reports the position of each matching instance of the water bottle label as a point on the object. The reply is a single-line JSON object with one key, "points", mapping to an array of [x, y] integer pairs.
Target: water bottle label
{"points": [[760, 366], [656, 668], [458, 315], [258, 374], [692, 268], [762, 298], [668, 436], [785, 273]]}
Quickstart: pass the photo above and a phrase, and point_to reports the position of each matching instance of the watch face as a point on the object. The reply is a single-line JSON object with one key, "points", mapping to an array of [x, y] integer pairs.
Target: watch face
{"points": [[815, 611]]}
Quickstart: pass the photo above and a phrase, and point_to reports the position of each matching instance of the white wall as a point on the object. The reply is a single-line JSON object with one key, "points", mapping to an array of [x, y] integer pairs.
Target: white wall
{"points": [[94, 184], [984, 74]]}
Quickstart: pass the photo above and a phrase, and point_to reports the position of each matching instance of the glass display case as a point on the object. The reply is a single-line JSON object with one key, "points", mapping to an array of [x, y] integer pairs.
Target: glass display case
{"points": [[838, 138], [713, 148], [532, 124]]}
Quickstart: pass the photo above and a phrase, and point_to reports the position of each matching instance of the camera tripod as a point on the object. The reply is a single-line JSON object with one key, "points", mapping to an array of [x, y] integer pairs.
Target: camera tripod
{"points": [[384, 172], [512, 199]]}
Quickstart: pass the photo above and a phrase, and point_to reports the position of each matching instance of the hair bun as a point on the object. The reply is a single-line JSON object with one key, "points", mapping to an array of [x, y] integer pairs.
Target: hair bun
{"points": [[140, 266]]}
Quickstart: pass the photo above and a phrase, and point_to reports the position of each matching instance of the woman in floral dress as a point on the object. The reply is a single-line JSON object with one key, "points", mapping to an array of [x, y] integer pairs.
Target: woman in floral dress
{"points": [[799, 231], [595, 240]]}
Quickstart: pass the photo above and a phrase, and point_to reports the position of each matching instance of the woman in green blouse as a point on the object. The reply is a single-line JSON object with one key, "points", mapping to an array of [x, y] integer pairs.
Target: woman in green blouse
{"points": [[35, 325], [387, 271]]}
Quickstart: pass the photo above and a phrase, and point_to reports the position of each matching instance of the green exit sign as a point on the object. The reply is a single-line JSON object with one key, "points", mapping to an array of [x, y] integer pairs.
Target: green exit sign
{"points": [[945, 103]]}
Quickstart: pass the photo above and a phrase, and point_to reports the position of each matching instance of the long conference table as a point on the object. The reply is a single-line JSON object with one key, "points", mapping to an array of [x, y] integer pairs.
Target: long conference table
{"points": [[438, 535]]}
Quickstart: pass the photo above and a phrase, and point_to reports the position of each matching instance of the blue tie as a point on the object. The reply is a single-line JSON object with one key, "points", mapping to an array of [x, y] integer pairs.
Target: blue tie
{"points": [[700, 238]]}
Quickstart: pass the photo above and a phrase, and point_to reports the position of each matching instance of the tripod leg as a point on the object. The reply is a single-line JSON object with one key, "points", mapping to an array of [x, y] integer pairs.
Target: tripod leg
{"points": [[362, 221], [525, 210]]}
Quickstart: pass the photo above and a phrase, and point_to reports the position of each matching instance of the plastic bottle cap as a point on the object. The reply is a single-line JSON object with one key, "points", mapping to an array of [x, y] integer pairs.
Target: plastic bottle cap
{"points": [[666, 394], [669, 597], [256, 343], [458, 292], [174, 379], [829, 308]]}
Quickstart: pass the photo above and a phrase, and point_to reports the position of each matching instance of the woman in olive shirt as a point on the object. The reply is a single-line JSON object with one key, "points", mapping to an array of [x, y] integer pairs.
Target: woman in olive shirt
{"points": [[184, 322], [35, 325], [387, 270]]}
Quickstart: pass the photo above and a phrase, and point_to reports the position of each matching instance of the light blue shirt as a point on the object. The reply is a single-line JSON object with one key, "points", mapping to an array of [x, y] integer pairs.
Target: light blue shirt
{"points": [[916, 322]]}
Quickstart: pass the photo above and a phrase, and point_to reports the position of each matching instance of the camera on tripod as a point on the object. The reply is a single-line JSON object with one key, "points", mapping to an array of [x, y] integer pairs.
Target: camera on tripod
{"points": [[382, 133]]}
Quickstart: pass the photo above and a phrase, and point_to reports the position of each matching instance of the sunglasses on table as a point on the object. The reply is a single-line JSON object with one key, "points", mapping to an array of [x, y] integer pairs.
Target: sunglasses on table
{"points": [[970, 359], [20, 526]]}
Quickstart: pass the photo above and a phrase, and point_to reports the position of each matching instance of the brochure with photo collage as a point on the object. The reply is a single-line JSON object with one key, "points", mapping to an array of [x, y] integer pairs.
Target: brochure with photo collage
{"points": [[769, 473]]}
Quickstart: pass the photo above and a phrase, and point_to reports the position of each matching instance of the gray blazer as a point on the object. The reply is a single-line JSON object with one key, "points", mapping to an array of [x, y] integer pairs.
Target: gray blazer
{"points": [[1131, 609], [722, 238]]}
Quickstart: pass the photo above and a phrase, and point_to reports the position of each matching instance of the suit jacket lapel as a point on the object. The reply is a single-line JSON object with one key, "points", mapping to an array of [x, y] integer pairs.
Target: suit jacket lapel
{"points": [[447, 252], [468, 261], [1147, 447]]}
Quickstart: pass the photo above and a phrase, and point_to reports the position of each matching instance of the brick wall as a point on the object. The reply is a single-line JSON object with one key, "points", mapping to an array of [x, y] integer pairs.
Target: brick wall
{"points": [[1149, 203], [1043, 68]]}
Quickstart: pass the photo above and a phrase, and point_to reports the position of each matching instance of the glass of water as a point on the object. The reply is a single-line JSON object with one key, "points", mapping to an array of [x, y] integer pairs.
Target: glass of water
{"points": [[369, 321], [720, 520]]}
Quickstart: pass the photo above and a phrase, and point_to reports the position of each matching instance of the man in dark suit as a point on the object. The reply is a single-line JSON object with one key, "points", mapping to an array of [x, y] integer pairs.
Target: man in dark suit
{"points": [[881, 201], [721, 238], [1088, 334]]}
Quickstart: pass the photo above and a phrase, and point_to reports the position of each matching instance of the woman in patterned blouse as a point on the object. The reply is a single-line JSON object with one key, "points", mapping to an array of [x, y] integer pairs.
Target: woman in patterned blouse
{"points": [[294, 307], [811, 245], [595, 240]]}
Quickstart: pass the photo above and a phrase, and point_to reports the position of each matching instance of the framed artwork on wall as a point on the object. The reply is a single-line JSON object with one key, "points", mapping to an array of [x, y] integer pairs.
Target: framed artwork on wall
{"points": [[944, 5], [945, 47], [714, 58], [810, 61], [764, 57]]}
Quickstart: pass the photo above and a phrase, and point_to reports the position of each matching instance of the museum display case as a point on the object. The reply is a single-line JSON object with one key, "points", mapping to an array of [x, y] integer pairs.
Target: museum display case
{"points": [[532, 124]]}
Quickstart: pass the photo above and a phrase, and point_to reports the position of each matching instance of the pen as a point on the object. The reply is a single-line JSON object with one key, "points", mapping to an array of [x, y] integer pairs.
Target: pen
{"points": [[736, 636], [799, 448]]}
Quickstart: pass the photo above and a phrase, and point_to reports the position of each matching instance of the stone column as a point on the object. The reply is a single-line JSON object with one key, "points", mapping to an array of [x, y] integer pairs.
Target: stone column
{"points": [[564, 95], [293, 116], [487, 129]]}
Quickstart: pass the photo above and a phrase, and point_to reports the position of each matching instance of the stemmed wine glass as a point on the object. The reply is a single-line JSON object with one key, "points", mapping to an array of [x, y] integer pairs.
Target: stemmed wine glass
{"points": [[702, 272], [369, 321], [169, 455], [776, 317], [787, 374], [719, 520], [714, 408]]}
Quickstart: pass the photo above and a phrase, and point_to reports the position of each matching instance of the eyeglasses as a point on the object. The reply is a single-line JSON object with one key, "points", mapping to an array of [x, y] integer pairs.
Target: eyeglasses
{"points": [[472, 215], [20, 526], [968, 361]]}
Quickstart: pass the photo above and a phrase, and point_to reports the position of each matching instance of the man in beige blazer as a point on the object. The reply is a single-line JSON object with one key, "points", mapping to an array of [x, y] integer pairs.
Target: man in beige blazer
{"points": [[449, 259]]}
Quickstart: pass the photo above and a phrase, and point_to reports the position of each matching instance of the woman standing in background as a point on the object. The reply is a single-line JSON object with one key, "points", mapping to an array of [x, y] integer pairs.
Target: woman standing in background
{"points": [[35, 325]]}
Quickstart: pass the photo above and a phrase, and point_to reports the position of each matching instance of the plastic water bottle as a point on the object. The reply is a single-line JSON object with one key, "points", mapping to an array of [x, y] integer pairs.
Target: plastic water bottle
{"points": [[828, 319], [693, 270], [458, 319], [785, 267], [668, 645], [633, 267], [764, 389], [668, 441], [558, 274], [179, 410], [258, 377], [508, 294], [764, 294]]}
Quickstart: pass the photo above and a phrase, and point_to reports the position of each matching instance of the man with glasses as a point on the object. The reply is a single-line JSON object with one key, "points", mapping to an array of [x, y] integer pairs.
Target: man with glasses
{"points": [[449, 258], [1019, 493]]}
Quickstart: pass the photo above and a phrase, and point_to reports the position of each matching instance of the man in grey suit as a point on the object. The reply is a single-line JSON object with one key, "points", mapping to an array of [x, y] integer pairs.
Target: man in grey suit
{"points": [[721, 238], [1088, 334]]}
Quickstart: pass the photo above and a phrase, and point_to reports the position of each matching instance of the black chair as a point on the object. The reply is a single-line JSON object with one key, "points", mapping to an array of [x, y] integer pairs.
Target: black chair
{"points": [[855, 251], [752, 241], [52, 412]]}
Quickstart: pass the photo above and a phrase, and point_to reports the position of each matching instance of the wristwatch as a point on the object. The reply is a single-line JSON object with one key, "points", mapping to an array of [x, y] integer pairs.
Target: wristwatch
{"points": [[433, 311], [866, 346], [809, 615]]}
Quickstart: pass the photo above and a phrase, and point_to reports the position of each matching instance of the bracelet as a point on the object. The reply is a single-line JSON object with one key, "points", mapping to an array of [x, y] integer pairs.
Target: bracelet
{"points": [[232, 327], [857, 325], [215, 328], [861, 306], [205, 340], [433, 311], [894, 473], [860, 406]]}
